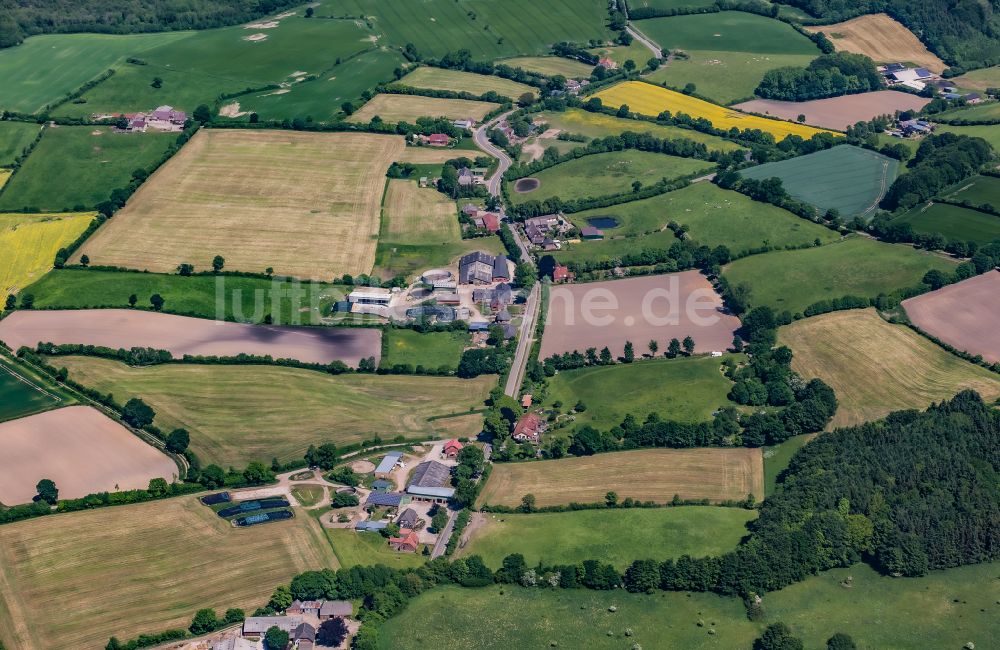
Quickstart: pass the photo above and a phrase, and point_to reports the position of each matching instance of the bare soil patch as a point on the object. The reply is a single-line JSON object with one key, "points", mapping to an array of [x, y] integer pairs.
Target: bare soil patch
{"points": [[255, 38], [656, 307], [525, 185], [882, 39], [363, 466], [965, 315], [124, 328], [80, 449], [838, 112]]}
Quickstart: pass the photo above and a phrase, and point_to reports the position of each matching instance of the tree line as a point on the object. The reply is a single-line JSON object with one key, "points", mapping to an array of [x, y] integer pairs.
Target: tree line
{"points": [[830, 75]]}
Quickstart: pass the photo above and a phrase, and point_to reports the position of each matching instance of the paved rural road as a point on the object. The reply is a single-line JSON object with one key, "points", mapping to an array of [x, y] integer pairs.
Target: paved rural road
{"points": [[442, 541], [483, 142], [642, 38]]}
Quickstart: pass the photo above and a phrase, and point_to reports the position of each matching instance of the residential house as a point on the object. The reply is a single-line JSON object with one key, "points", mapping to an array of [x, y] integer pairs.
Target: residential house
{"points": [[407, 542], [529, 428], [526, 400], [451, 448], [465, 177], [408, 519], [489, 221], [335, 609], [562, 274], [607, 63], [438, 140]]}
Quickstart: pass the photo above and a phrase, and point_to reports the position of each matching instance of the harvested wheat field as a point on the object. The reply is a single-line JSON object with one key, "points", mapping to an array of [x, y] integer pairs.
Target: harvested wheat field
{"points": [[655, 307], [140, 568], [965, 315], [643, 474], [80, 449], [407, 108], [881, 39], [415, 215], [181, 335], [838, 112], [876, 367], [305, 204]]}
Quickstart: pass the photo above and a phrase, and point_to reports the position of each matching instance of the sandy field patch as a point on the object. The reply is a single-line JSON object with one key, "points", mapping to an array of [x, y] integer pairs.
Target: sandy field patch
{"points": [[407, 108], [231, 110], [363, 466], [655, 307], [306, 204], [882, 39], [965, 314], [255, 38], [838, 112], [125, 328], [80, 449], [644, 474]]}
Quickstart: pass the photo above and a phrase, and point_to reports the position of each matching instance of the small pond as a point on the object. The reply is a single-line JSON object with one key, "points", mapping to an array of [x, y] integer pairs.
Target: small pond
{"points": [[603, 223]]}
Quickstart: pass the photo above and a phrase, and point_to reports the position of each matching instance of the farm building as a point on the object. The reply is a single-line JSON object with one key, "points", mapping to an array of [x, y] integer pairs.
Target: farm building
{"points": [[386, 500], [370, 526], [388, 462], [335, 608], [430, 481], [437, 140], [407, 542], [465, 124], [304, 608], [451, 448], [487, 220], [590, 232], [370, 296], [498, 297], [381, 485], [529, 428], [237, 643], [257, 626], [483, 268], [431, 312], [408, 518]]}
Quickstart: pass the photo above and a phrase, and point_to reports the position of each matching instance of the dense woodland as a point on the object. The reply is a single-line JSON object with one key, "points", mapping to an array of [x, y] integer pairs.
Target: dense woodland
{"points": [[22, 18], [940, 161], [830, 75]]}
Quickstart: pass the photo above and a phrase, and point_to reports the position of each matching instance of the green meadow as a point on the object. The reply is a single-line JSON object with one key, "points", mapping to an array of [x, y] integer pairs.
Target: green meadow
{"points": [[14, 137], [954, 222], [430, 350], [613, 249], [23, 393]]}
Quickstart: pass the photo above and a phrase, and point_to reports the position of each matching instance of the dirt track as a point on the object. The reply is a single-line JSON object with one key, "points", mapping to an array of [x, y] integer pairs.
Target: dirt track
{"points": [[80, 449], [637, 310], [964, 315], [125, 328], [838, 112]]}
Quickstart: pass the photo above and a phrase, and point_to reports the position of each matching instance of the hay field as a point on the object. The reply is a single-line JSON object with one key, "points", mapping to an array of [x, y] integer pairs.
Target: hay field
{"points": [[291, 408], [84, 452], [964, 315], [456, 80], [648, 99], [643, 474], [140, 568], [306, 204], [838, 112], [407, 108], [876, 367], [416, 215], [29, 244], [882, 39], [979, 79], [550, 65], [599, 125]]}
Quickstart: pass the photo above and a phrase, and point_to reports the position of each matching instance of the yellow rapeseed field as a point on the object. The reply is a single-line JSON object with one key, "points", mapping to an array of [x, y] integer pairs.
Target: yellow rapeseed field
{"points": [[648, 99], [29, 243]]}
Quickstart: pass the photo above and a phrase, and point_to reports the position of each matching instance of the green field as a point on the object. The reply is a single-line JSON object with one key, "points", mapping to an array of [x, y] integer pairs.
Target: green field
{"points": [[88, 167], [670, 4], [978, 113], [23, 393], [988, 132], [14, 137], [954, 222], [637, 52], [611, 249], [241, 413], [430, 350], [978, 190], [456, 80], [44, 68], [488, 30], [194, 296], [598, 125], [608, 173], [777, 458], [551, 66], [793, 280], [572, 537], [367, 549], [849, 179], [729, 51], [687, 389]]}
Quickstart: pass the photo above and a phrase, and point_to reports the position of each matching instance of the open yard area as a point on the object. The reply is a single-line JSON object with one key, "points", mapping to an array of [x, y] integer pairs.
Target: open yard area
{"points": [[954, 222], [14, 137], [794, 280], [612, 392], [838, 112], [729, 51], [964, 315], [237, 414], [846, 178], [644, 474], [407, 108], [85, 452], [572, 537], [456, 80], [430, 350], [141, 568], [551, 66], [181, 335], [881, 39], [647, 99], [608, 173], [304, 204], [658, 307], [89, 162], [599, 125], [29, 244], [876, 368]]}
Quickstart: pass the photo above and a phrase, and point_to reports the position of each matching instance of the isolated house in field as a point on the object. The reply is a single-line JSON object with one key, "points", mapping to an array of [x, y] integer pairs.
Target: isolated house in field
{"points": [[408, 518], [451, 448], [529, 428], [607, 63], [304, 608], [438, 140], [388, 462], [407, 542], [335, 609]]}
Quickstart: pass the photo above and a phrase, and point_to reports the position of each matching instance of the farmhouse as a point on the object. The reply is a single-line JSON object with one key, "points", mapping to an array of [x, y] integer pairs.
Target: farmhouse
{"points": [[407, 542], [451, 448], [496, 298], [562, 274], [489, 221], [408, 518], [529, 428], [387, 464], [436, 139]]}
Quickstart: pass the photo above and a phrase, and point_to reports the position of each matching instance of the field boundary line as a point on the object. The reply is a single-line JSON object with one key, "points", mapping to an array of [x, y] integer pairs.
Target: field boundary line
{"points": [[25, 380]]}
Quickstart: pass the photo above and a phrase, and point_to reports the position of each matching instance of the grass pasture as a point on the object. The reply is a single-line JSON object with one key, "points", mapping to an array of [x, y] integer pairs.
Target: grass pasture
{"points": [[613, 249], [647, 99], [572, 537], [876, 367], [29, 244], [430, 350], [980, 79], [14, 137], [609, 173], [881, 39], [367, 549], [89, 162], [644, 474], [212, 402], [456, 80], [642, 388], [407, 108], [793, 280], [144, 567], [306, 204], [849, 179], [954, 222], [988, 132], [978, 190], [599, 125], [551, 66]]}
